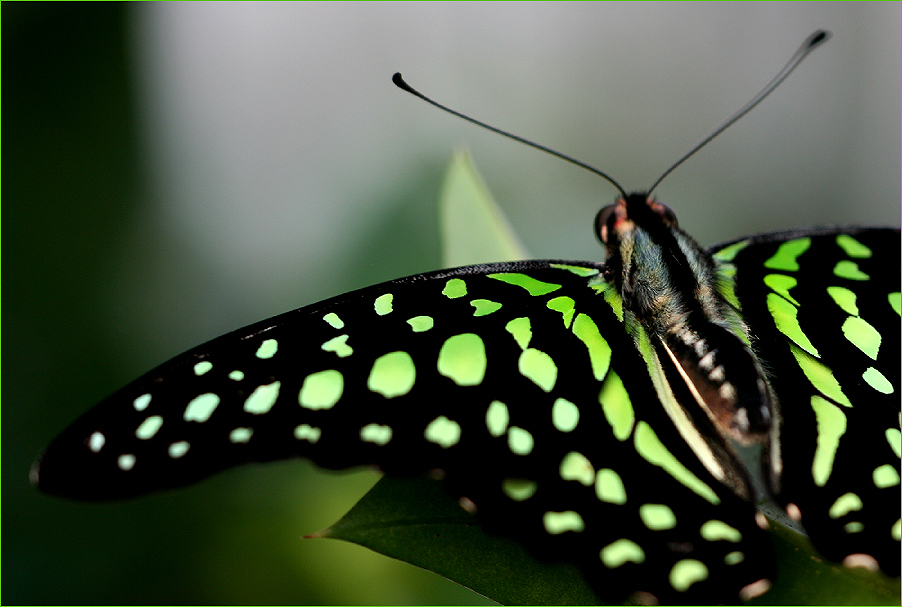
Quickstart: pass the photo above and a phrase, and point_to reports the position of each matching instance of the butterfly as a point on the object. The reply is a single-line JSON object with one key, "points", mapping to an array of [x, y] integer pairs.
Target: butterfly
{"points": [[623, 416]]}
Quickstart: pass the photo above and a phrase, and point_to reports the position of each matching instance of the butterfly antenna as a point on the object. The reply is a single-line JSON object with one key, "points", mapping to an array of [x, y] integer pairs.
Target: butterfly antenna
{"points": [[399, 82], [811, 43]]}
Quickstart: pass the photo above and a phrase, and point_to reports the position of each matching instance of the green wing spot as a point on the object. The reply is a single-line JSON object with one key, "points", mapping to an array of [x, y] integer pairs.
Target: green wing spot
{"points": [[831, 425], [392, 375], [565, 305], [786, 317], [820, 375], [578, 270], [894, 301], [885, 476], [849, 269], [149, 427], [443, 432], [240, 435], [729, 253], [532, 286], [178, 449], [383, 304], [877, 381], [375, 433], [896, 530], [339, 346], [650, 447], [844, 504], [852, 247], [845, 299], [599, 351], [519, 441], [321, 390], [616, 406], [267, 349], [687, 572], [497, 418], [564, 415], [609, 487], [201, 407], [308, 433], [576, 467], [462, 359], [141, 402], [334, 321], [715, 530], [894, 438], [262, 398], [484, 307], [853, 527], [787, 255], [538, 367], [781, 284], [420, 323], [96, 441], [202, 367], [236, 375], [862, 335], [617, 553], [126, 461], [559, 522], [455, 288], [734, 558], [519, 489], [521, 329], [657, 517]]}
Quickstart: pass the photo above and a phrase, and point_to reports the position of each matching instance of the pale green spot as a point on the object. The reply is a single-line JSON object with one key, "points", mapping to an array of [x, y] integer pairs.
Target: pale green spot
{"points": [[202, 367], [521, 329], [149, 427], [687, 572], [339, 346], [565, 305], [885, 476], [587, 332], [781, 284], [845, 299], [559, 522], [564, 415], [577, 467], [609, 487], [854, 527], [321, 390], [578, 270], [519, 489], [383, 304], [657, 517], [484, 307], [894, 438], [538, 367], [786, 317], [178, 449], [831, 425], [455, 288], [141, 402], [715, 530], [462, 359], [96, 441], [820, 375], [617, 553], [497, 418], [613, 299], [267, 349], [616, 406], [443, 432], [787, 255], [734, 558], [392, 375], [201, 407], [896, 530], [729, 253], [877, 381], [895, 300], [236, 375], [862, 335], [844, 504], [262, 398], [126, 461], [849, 270], [241, 435], [334, 321], [375, 433], [852, 247], [420, 323], [650, 447], [519, 441], [532, 285], [308, 433]]}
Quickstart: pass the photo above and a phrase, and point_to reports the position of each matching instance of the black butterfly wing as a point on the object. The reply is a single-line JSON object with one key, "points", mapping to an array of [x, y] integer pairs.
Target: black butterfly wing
{"points": [[517, 380], [823, 306]]}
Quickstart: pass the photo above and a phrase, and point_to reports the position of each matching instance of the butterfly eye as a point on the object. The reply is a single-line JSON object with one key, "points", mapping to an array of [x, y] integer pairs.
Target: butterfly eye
{"points": [[664, 212], [604, 223]]}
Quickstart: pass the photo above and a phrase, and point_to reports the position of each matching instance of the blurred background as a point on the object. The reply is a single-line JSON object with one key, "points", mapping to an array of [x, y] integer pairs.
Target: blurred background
{"points": [[175, 171]]}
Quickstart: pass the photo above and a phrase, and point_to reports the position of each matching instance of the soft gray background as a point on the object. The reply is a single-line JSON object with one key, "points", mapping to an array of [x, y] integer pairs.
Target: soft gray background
{"points": [[232, 161]]}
